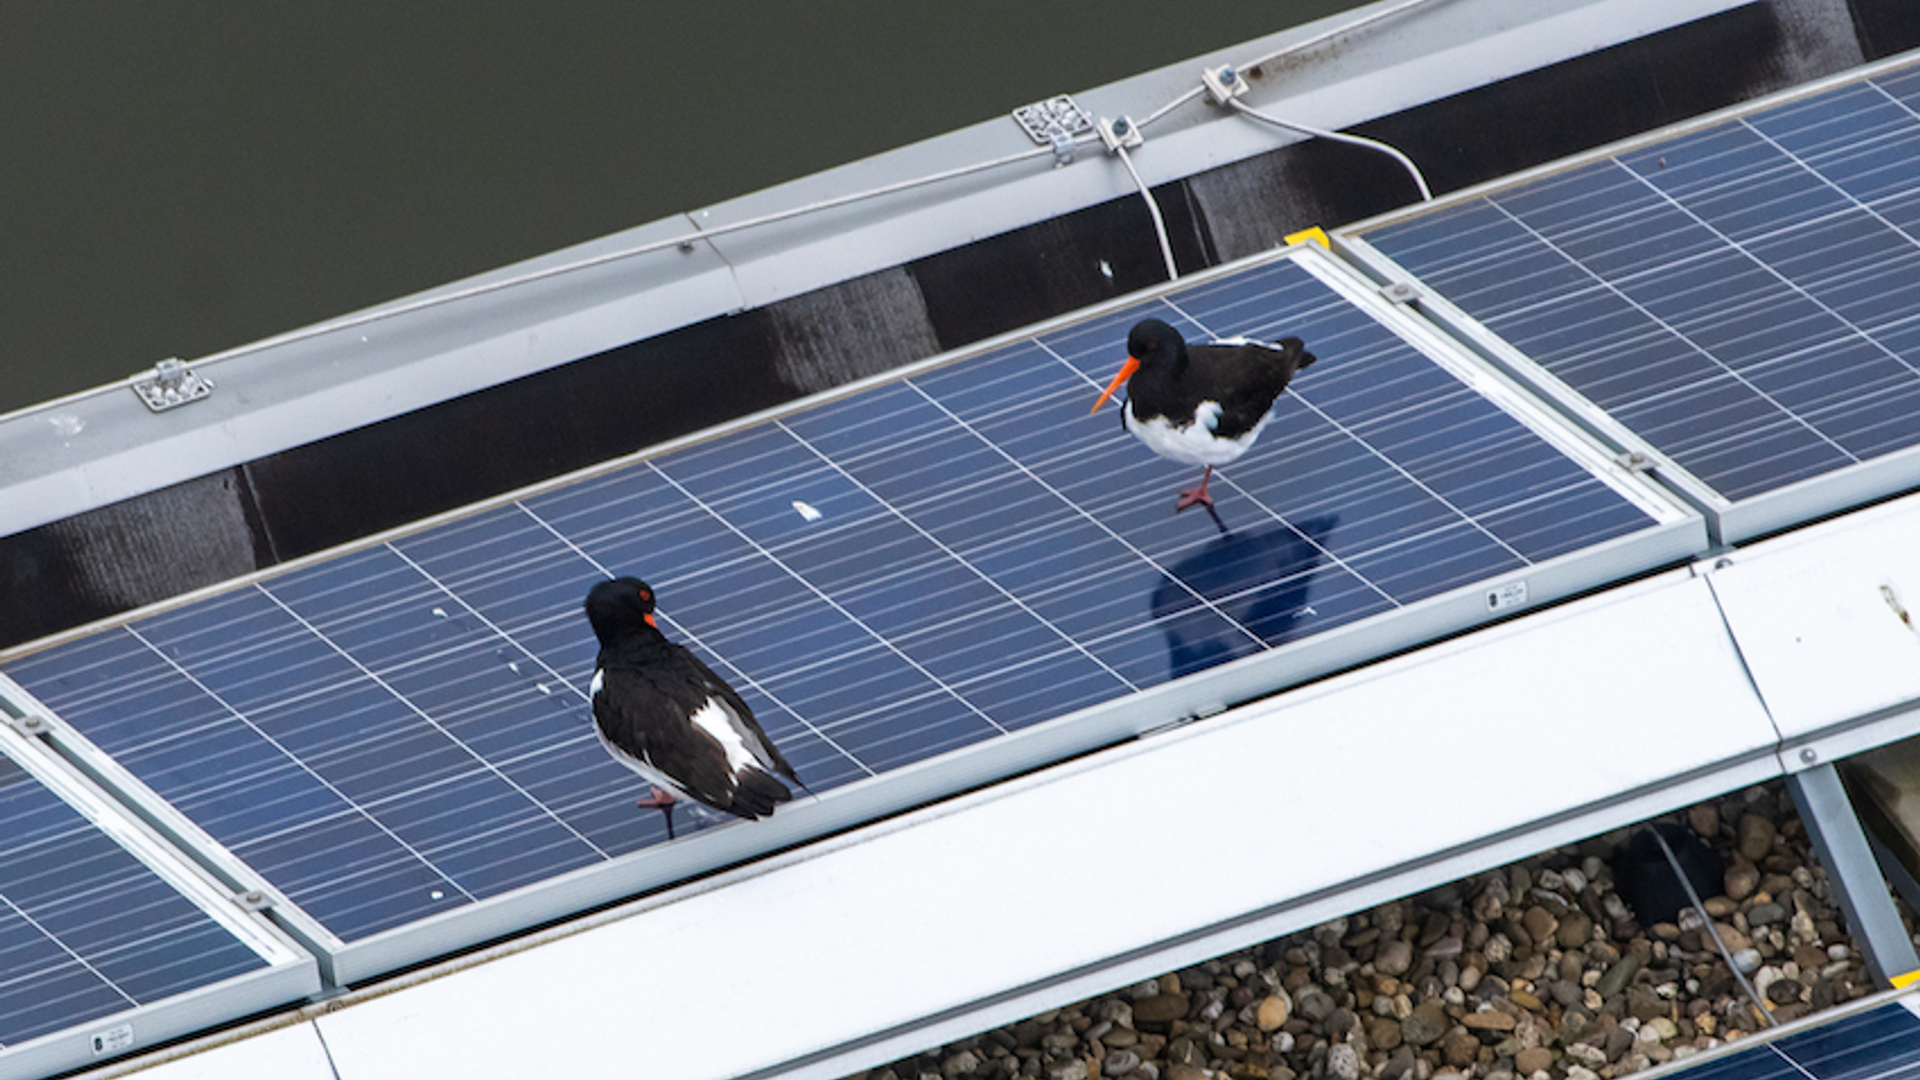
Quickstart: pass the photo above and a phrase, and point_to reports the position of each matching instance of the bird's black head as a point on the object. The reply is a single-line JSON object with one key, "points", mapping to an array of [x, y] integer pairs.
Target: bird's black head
{"points": [[1152, 341], [620, 608]]}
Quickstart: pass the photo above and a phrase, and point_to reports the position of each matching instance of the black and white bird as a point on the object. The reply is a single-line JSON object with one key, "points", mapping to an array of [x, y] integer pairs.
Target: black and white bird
{"points": [[1201, 404], [662, 713]]}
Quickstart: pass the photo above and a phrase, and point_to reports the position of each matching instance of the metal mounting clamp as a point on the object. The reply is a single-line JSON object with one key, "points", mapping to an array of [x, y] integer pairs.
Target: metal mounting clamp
{"points": [[29, 725], [172, 385]]}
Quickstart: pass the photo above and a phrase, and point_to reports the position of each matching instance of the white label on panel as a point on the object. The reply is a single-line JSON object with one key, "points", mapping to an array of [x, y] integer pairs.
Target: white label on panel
{"points": [[113, 1040], [1512, 594]]}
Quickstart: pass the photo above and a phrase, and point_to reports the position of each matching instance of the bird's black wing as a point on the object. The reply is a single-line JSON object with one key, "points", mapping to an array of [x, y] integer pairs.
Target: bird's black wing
{"points": [[756, 739], [1260, 374], [649, 720]]}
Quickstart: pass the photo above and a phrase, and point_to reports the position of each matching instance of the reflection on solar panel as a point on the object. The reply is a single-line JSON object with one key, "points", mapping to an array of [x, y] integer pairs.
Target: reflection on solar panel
{"points": [[1878, 1043], [1746, 297], [92, 935], [937, 562]]}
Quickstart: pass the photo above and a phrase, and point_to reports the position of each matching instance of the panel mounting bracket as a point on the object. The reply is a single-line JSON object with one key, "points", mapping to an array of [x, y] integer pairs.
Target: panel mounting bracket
{"points": [[253, 899], [29, 725], [1400, 292], [172, 385], [1056, 122]]}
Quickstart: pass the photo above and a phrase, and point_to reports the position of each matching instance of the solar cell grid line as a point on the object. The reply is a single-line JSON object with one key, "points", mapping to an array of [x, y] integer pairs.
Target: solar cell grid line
{"points": [[1737, 297], [934, 582], [103, 936]]}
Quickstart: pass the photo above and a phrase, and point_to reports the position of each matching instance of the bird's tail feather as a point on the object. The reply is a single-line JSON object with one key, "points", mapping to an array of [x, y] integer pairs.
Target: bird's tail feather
{"points": [[757, 794]]}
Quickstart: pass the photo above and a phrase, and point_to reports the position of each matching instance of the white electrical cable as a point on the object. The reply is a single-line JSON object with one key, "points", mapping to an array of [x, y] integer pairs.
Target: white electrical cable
{"points": [[1426, 193], [1291, 48], [1153, 210]]}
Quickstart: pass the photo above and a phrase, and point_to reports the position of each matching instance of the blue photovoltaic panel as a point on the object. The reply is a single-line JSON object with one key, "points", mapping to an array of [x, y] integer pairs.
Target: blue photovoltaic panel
{"points": [[86, 929], [923, 566], [1746, 297], [1879, 1044]]}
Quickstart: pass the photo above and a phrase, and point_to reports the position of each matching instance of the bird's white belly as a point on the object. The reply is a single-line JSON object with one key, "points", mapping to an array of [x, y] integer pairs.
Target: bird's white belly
{"points": [[1195, 443]]}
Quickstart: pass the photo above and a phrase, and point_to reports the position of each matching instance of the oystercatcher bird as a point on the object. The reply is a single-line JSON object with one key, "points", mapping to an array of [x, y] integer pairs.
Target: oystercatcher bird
{"points": [[1201, 404], [662, 713]]}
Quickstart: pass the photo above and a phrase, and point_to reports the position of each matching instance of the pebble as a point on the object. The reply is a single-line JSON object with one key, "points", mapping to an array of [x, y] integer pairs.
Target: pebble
{"points": [[1072, 1068], [1756, 837], [1394, 958], [1489, 1020], [1425, 1024], [1156, 1013], [1314, 1003], [1539, 922], [1575, 929], [1460, 1049], [1534, 971], [1740, 881]]}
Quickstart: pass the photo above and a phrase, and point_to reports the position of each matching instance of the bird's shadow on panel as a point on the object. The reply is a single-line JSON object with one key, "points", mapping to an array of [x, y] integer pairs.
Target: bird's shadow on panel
{"points": [[1261, 579]]}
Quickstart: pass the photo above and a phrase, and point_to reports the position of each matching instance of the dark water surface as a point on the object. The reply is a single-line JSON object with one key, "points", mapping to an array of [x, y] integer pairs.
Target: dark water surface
{"points": [[180, 177]]}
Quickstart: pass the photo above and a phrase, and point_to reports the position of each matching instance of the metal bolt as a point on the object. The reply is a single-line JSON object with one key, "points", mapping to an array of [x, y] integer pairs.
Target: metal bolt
{"points": [[1120, 126], [1227, 77], [1808, 757]]}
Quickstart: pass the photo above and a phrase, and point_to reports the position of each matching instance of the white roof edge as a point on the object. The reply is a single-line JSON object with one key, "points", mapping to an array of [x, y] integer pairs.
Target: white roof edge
{"points": [[102, 446]]}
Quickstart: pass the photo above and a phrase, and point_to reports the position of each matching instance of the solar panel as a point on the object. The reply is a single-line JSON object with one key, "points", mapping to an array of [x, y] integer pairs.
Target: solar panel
{"points": [[924, 585], [1743, 297], [101, 954], [1881, 1043]]}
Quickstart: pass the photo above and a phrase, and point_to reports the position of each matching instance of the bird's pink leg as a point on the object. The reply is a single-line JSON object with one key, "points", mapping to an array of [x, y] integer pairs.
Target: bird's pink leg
{"points": [[1196, 496], [662, 801]]}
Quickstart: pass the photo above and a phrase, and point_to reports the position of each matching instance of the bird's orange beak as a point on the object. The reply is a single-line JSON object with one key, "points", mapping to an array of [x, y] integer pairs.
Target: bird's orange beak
{"points": [[1126, 372], [649, 617]]}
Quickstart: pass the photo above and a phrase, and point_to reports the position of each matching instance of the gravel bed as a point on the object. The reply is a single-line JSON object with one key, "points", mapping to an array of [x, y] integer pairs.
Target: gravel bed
{"points": [[1536, 970]]}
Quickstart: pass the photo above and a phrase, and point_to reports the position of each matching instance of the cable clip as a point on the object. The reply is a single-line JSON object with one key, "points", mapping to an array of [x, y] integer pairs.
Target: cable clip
{"points": [[1120, 134], [1063, 144], [1223, 83]]}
